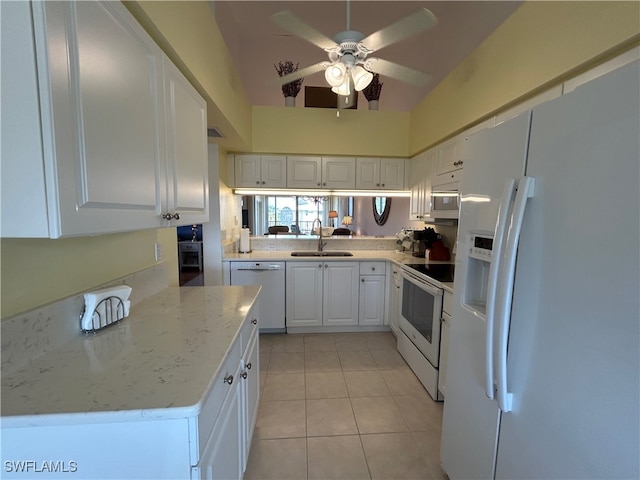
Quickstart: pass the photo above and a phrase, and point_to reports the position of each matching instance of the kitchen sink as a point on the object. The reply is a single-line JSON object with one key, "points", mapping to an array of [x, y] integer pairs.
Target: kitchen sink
{"points": [[315, 253]]}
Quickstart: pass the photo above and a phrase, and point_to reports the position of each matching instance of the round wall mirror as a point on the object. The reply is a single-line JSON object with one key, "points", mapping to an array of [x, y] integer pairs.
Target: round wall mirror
{"points": [[381, 209]]}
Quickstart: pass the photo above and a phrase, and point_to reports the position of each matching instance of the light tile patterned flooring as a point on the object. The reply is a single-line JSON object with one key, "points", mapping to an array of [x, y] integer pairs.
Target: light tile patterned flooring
{"points": [[342, 406]]}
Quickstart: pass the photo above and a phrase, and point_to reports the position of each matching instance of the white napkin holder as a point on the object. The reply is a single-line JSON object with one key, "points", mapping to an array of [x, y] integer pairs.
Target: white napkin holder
{"points": [[104, 307]]}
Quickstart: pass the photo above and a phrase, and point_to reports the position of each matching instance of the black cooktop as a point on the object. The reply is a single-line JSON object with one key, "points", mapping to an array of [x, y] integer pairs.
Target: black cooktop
{"points": [[438, 271]]}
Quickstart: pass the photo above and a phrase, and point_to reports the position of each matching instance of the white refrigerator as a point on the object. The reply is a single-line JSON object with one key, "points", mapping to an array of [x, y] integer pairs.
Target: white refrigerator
{"points": [[543, 366]]}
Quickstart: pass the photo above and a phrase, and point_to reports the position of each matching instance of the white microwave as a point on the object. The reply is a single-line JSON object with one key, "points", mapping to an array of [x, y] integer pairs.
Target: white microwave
{"points": [[445, 200]]}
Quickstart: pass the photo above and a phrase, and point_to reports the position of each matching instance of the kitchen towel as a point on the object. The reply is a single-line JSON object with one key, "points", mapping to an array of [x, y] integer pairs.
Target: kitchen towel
{"points": [[245, 243]]}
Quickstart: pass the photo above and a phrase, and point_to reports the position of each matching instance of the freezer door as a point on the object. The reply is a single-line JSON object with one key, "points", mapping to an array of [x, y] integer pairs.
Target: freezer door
{"points": [[573, 357]]}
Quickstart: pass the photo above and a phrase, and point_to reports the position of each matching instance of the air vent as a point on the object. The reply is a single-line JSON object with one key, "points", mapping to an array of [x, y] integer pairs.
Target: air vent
{"points": [[213, 132]]}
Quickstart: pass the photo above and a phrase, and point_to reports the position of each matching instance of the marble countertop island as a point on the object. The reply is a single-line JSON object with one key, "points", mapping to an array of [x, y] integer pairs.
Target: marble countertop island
{"points": [[157, 363]]}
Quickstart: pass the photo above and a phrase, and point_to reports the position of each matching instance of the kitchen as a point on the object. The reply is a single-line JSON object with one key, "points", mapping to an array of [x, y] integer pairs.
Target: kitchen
{"points": [[62, 264]]}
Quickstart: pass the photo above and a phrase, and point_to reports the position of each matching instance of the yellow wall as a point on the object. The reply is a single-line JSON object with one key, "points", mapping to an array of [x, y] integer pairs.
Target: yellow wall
{"points": [[34, 272], [542, 43], [320, 131]]}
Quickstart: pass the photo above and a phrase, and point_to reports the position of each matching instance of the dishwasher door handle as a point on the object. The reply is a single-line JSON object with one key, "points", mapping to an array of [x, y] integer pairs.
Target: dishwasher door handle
{"points": [[257, 269]]}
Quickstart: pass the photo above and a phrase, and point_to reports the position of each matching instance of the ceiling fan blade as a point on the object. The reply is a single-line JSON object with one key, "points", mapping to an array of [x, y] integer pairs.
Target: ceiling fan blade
{"points": [[417, 22], [292, 24], [397, 71], [305, 72]]}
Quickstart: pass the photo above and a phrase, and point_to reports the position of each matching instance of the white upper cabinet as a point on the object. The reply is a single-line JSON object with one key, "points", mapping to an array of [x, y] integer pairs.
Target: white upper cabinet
{"points": [[321, 172], [123, 135], [339, 172], [304, 172], [422, 167], [449, 157], [260, 171], [186, 143], [380, 173]]}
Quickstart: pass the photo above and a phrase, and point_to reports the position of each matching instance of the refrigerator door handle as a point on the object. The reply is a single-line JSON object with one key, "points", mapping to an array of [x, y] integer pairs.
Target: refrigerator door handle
{"points": [[507, 279], [499, 240]]}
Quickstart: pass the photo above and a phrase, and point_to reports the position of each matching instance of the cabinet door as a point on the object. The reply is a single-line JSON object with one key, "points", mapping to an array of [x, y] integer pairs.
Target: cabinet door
{"points": [[250, 393], [449, 156], [304, 172], [367, 173], [187, 156], [339, 172], [340, 305], [372, 294], [104, 155], [304, 294], [392, 173], [274, 171], [221, 458], [248, 171], [418, 168]]}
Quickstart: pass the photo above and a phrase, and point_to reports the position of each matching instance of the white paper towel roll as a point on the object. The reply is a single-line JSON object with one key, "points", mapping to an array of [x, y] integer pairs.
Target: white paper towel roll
{"points": [[245, 245]]}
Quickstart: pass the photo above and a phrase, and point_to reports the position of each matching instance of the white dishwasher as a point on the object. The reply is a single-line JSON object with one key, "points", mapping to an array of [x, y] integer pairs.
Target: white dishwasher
{"points": [[270, 275]]}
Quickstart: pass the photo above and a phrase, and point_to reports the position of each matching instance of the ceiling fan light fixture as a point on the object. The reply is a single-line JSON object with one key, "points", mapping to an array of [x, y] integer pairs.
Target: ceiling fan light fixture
{"points": [[335, 74], [361, 77], [345, 88]]}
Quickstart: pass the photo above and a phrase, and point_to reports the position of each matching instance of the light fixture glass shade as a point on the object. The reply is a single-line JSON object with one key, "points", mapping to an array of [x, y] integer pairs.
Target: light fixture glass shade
{"points": [[361, 77], [345, 88], [335, 74], [347, 220]]}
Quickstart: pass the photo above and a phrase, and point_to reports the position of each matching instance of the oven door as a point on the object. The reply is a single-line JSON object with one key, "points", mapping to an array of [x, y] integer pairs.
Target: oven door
{"points": [[420, 316]]}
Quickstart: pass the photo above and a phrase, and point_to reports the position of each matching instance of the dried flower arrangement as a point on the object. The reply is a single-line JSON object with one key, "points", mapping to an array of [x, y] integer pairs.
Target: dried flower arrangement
{"points": [[372, 91], [284, 68]]}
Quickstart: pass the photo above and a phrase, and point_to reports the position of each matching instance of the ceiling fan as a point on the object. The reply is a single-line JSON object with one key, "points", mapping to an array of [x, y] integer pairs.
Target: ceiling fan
{"points": [[350, 66]]}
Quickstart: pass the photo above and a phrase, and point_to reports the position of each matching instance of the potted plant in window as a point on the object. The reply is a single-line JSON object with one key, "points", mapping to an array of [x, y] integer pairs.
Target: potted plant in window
{"points": [[372, 92], [289, 90]]}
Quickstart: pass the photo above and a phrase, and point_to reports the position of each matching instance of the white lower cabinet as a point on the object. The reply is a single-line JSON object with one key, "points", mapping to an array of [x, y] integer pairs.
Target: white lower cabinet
{"points": [[221, 458], [322, 293], [372, 293], [226, 449]]}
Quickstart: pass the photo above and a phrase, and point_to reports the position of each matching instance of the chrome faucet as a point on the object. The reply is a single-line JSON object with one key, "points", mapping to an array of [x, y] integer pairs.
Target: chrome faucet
{"points": [[320, 243]]}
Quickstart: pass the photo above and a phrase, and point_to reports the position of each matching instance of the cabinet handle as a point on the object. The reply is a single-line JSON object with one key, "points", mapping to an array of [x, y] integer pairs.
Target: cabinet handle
{"points": [[373, 269], [249, 366], [254, 321], [257, 182], [176, 216], [326, 265], [377, 184], [319, 265], [167, 216], [383, 184], [244, 375], [228, 379], [318, 183], [263, 182], [362, 280], [324, 184]]}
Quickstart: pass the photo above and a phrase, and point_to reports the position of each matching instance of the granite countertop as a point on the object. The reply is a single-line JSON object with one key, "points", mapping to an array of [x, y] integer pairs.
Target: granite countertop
{"points": [[399, 258], [157, 363]]}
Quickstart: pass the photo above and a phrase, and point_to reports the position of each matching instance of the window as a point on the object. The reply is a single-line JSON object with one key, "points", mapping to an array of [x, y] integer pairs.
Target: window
{"points": [[295, 212]]}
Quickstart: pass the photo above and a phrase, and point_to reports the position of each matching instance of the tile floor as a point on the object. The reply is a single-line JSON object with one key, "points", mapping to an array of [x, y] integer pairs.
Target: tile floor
{"points": [[342, 406]]}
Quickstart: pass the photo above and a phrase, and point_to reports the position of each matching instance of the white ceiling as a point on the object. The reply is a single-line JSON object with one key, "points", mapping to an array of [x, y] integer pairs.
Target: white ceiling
{"points": [[256, 43]]}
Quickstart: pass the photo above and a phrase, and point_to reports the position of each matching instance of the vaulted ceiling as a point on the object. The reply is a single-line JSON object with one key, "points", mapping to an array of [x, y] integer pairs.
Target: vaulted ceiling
{"points": [[256, 43]]}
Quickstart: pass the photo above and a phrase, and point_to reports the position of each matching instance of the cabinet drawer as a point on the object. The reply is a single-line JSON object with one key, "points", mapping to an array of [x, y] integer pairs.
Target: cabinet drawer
{"points": [[219, 390], [189, 247], [372, 268], [447, 302], [444, 178]]}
